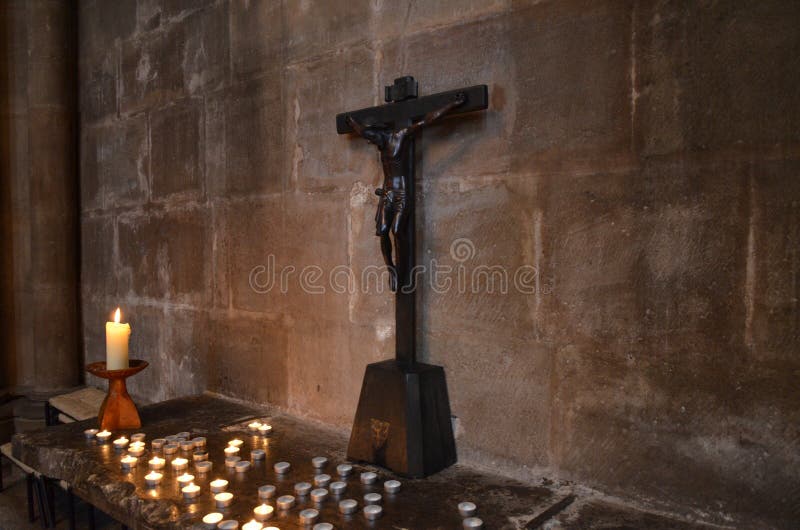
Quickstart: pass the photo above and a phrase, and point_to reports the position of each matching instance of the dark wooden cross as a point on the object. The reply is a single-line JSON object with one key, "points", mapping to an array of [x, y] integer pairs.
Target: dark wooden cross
{"points": [[403, 417]]}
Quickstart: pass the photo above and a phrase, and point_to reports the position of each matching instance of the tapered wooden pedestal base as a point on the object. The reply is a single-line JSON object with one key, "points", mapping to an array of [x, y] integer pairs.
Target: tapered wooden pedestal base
{"points": [[118, 411], [403, 419]]}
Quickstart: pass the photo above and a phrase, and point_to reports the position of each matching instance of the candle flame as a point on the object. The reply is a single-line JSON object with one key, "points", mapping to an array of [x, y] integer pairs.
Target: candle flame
{"points": [[116, 316]]}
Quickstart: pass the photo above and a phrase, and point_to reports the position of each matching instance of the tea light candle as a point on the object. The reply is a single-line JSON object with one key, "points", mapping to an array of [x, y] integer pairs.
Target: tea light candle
{"points": [[265, 429], [187, 445], [219, 485], [200, 455], [128, 462], [138, 437], [156, 463], [323, 526], [103, 436], [212, 519], [179, 464], [153, 478], [319, 494], [136, 450], [322, 480], [231, 450], [344, 470], [368, 477], [467, 509], [285, 502], [309, 516], [158, 443], [199, 442], [121, 443], [191, 491], [185, 479], [372, 512], [228, 524], [235, 443], [266, 492], [372, 498], [302, 489], [257, 454], [242, 466], [223, 499], [254, 426], [263, 512], [348, 506], [117, 336], [252, 525], [319, 462], [472, 522], [391, 486], [338, 487], [281, 468], [170, 448], [203, 467], [171, 438], [183, 435], [231, 461], [90, 433]]}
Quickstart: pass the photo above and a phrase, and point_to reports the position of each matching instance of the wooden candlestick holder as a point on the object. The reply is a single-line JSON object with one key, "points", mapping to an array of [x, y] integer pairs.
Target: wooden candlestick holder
{"points": [[118, 410]]}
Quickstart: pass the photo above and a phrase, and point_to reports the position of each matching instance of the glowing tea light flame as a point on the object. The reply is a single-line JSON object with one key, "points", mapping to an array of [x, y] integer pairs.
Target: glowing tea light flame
{"points": [[263, 512], [252, 525], [213, 518], [156, 462], [153, 478], [185, 479], [219, 485], [235, 443]]}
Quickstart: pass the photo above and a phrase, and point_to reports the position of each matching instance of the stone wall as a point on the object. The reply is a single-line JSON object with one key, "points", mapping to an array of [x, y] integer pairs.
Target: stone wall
{"points": [[638, 163]]}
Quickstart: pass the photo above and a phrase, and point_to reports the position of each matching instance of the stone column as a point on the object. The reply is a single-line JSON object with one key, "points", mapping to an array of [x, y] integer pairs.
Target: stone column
{"points": [[40, 196]]}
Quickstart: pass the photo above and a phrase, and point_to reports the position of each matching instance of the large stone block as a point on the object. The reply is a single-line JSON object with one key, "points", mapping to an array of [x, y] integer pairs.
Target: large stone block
{"points": [[248, 358], [246, 137], [318, 90], [97, 256], [176, 163], [152, 73], [256, 32], [572, 64], [166, 255], [98, 83], [394, 18], [115, 162], [206, 48], [318, 26], [715, 76], [455, 57]]}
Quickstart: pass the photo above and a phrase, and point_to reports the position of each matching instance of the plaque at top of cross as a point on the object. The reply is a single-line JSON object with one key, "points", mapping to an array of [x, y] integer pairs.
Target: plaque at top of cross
{"points": [[403, 416]]}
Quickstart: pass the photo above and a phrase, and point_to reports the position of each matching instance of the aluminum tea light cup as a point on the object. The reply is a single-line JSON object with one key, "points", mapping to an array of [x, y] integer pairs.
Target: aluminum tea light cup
{"points": [[199, 442], [121, 443], [90, 433], [218, 486], [265, 429], [263, 512], [211, 520], [284, 502], [242, 466], [156, 463], [223, 499], [103, 436], [171, 438], [338, 487], [128, 462], [319, 494], [190, 491], [322, 480], [266, 491], [348, 506], [153, 479], [344, 470], [323, 526], [179, 464], [235, 443], [472, 522], [319, 462], [391, 486], [253, 525], [467, 509], [138, 437], [135, 450], [203, 466], [281, 468], [373, 511], [309, 516], [257, 454], [170, 448], [368, 477], [301, 489], [183, 435], [158, 444], [231, 461], [199, 455], [231, 450], [187, 445], [185, 479], [372, 498], [228, 524], [254, 425]]}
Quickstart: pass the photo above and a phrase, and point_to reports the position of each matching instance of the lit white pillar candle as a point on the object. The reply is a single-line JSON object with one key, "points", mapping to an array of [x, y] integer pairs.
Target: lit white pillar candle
{"points": [[263, 512], [156, 463], [117, 336], [153, 478]]}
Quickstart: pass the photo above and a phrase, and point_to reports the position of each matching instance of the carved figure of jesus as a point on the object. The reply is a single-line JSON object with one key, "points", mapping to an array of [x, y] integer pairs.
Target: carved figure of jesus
{"points": [[393, 205]]}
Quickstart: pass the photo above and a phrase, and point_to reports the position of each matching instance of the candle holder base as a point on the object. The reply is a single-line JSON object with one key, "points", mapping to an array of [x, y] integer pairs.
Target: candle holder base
{"points": [[118, 411]]}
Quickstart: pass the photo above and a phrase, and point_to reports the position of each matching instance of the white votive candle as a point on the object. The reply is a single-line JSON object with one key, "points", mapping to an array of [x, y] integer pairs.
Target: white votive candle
{"points": [[117, 336], [153, 478], [185, 479], [231, 450], [156, 462], [252, 525], [128, 462], [235, 443], [190, 491], [223, 499], [265, 429], [263, 512], [120, 443], [179, 464], [212, 519], [219, 485]]}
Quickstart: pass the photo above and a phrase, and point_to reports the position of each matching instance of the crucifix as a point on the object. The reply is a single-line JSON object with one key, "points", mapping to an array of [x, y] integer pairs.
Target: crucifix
{"points": [[403, 416]]}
